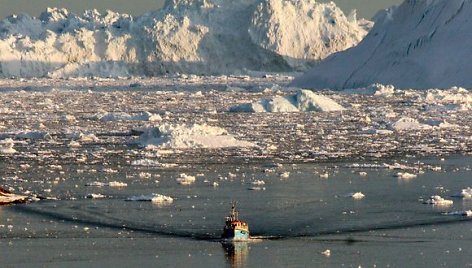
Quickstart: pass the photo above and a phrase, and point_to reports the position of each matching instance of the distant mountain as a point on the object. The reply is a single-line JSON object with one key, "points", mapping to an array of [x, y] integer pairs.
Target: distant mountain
{"points": [[419, 44], [187, 36]]}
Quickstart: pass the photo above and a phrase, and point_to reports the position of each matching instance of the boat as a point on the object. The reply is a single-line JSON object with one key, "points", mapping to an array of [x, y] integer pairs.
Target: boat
{"points": [[235, 229]]}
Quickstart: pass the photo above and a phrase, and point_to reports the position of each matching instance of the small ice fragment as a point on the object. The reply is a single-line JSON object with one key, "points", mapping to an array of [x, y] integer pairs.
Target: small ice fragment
{"points": [[284, 175], [357, 195], [465, 193], [327, 253], [154, 198], [185, 179], [405, 175], [437, 200], [324, 175], [95, 196], [117, 184], [257, 188], [258, 182], [363, 173]]}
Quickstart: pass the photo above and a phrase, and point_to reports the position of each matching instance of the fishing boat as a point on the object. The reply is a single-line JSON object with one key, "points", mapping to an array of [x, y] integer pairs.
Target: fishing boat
{"points": [[235, 229]]}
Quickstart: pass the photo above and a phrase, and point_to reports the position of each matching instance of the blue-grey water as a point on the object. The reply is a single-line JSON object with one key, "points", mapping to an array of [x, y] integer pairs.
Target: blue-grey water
{"points": [[295, 219]]}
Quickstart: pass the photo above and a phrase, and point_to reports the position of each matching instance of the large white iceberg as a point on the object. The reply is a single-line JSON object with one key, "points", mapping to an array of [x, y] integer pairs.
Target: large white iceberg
{"points": [[419, 44], [168, 136], [301, 101], [201, 37]]}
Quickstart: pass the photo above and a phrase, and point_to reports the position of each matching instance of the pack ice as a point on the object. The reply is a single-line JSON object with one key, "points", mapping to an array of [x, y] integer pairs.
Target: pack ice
{"points": [[200, 37], [419, 44]]}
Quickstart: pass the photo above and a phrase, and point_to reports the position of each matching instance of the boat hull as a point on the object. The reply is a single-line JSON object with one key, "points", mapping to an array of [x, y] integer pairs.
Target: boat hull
{"points": [[236, 235]]}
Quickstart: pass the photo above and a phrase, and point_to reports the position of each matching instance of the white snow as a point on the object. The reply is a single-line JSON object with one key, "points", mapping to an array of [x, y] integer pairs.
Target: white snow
{"points": [[302, 101], [420, 44], [154, 198], [201, 37], [169, 136]]}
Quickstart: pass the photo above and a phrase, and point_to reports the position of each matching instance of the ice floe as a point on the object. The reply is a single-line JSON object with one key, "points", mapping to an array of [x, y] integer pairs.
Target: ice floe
{"points": [[302, 101], [356, 195], [185, 179], [405, 175], [154, 198], [110, 184], [438, 201], [6, 197], [465, 193], [170, 136], [6, 146], [142, 116]]}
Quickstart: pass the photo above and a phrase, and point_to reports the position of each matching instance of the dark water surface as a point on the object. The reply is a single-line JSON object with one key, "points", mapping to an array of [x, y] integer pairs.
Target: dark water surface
{"points": [[295, 218]]}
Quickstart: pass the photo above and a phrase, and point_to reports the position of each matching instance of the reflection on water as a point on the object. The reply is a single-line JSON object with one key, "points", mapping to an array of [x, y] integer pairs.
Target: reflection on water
{"points": [[236, 253]]}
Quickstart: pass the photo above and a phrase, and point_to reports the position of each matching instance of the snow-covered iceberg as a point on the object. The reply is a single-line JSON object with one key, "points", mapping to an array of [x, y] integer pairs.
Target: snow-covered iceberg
{"points": [[168, 136], [302, 101], [200, 37], [419, 44]]}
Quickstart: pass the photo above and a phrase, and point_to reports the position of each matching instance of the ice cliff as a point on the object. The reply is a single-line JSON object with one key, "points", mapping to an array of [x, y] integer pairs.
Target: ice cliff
{"points": [[200, 37], [419, 44]]}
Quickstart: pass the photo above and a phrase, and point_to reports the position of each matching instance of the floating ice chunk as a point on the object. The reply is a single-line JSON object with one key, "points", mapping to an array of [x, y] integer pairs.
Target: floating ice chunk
{"points": [[185, 137], [405, 175], [465, 193], [258, 182], [284, 175], [438, 201], [83, 137], [466, 213], [117, 184], [302, 101], [96, 183], [142, 116], [327, 253], [110, 184], [145, 162], [154, 198], [257, 188], [407, 123], [6, 146], [357, 195], [363, 173], [374, 89], [185, 179], [324, 175], [33, 135], [95, 196], [6, 197]]}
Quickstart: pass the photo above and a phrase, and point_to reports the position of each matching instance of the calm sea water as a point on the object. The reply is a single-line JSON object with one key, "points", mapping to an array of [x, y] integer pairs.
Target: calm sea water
{"points": [[295, 219]]}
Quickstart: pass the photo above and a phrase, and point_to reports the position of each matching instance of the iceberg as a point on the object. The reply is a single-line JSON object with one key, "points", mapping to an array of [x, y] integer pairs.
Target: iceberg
{"points": [[199, 37], [419, 44]]}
